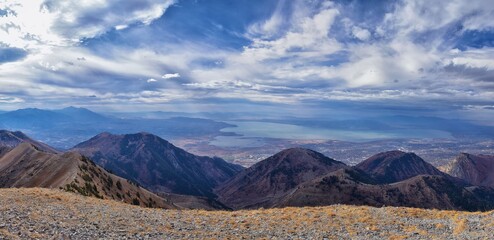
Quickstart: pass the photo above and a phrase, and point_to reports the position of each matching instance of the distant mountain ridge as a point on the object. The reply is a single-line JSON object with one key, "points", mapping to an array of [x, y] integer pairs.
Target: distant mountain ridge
{"points": [[64, 128], [157, 164], [82, 114], [32, 117]]}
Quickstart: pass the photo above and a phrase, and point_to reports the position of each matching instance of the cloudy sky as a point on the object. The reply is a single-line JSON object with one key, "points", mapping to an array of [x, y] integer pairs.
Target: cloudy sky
{"points": [[286, 56]]}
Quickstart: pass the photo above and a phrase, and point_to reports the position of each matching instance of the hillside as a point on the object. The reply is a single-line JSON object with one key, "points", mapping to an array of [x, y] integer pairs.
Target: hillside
{"points": [[263, 184], [9, 140], [395, 166], [475, 169], [157, 164], [47, 214], [26, 166], [301, 177], [348, 186]]}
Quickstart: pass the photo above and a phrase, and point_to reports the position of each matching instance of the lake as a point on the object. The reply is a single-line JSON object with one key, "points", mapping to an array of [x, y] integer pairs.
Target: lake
{"points": [[252, 134]]}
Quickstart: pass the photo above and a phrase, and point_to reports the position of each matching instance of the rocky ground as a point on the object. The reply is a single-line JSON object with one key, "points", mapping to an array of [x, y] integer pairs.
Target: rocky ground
{"points": [[53, 214]]}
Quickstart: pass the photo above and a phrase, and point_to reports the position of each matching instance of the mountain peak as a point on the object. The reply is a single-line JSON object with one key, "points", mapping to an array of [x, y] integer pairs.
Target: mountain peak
{"points": [[143, 134], [157, 164], [296, 150], [474, 169], [103, 134], [13, 139], [265, 182], [134, 138], [395, 166], [76, 109], [80, 113], [298, 156], [26, 166], [72, 108]]}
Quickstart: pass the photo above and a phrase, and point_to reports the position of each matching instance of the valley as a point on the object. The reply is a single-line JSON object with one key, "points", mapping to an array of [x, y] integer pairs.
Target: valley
{"points": [[248, 141]]}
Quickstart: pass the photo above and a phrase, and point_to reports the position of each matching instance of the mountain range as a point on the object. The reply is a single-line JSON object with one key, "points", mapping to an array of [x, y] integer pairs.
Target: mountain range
{"points": [[64, 128], [157, 164], [293, 177], [25, 162], [27, 166], [391, 178]]}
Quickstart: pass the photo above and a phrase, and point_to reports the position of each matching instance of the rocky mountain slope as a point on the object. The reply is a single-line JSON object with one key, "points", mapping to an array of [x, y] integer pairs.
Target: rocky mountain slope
{"points": [[348, 186], [293, 177], [475, 169], [10, 140], [157, 164], [48, 214], [301, 177], [27, 166], [263, 184], [395, 166]]}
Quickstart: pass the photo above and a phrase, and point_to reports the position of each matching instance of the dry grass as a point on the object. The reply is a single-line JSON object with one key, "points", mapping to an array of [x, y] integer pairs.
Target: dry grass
{"points": [[460, 225], [338, 221]]}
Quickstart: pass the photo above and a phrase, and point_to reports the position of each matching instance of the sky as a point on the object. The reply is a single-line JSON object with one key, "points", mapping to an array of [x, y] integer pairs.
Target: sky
{"points": [[285, 57]]}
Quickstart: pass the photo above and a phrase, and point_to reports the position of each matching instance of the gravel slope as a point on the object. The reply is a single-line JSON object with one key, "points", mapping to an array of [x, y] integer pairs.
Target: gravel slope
{"points": [[53, 214]]}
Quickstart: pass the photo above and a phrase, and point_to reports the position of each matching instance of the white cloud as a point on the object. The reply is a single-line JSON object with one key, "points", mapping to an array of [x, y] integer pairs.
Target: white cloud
{"points": [[41, 24], [170, 75], [270, 27], [475, 58], [308, 36], [290, 58], [361, 33], [76, 19], [7, 99], [121, 27], [423, 15]]}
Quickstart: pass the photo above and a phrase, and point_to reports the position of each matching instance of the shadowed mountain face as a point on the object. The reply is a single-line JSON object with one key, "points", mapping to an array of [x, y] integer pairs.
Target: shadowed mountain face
{"points": [[394, 166], [26, 166], [301, 177], [157, 164], [9, 140], [349, 186], [264, 183], [474, 169]]}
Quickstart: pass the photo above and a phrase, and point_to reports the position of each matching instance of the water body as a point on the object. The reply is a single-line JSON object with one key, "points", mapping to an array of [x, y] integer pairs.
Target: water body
{"points": [[252, 134]]}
